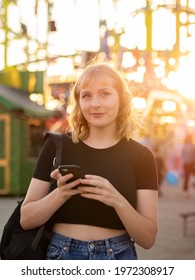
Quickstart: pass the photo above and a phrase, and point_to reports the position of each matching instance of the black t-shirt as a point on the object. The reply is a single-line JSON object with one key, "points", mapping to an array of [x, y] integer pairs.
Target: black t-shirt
{"points": [[128, 166]]}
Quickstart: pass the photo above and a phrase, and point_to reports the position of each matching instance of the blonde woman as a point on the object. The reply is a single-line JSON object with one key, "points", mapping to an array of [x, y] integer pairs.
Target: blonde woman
{"points": [[115, 206]]}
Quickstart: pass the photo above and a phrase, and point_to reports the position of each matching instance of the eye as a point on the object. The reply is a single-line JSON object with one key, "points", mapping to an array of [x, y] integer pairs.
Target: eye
{"points": [[105, 93], [85, 95]]}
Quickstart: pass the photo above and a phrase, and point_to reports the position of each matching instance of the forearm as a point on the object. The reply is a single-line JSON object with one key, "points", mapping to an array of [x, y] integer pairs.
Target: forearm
{"points": [[142, 230], [36, 213]]}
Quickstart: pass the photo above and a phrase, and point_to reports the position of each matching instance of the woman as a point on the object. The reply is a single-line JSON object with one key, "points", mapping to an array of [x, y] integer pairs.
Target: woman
{"points": [[116, 205]]}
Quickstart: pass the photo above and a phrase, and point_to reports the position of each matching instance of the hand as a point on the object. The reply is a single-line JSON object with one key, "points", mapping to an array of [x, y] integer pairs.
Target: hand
{"points": [[100, 189], [65, 189]]}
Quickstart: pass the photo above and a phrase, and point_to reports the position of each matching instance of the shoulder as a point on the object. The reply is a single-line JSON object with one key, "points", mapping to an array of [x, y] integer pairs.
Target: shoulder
{"points": [[138, 153], [137, 147]]}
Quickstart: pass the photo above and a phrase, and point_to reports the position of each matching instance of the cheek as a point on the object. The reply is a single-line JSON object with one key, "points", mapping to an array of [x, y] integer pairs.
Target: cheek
{"points": [[84, 108], [117, 112], [116, 107]]}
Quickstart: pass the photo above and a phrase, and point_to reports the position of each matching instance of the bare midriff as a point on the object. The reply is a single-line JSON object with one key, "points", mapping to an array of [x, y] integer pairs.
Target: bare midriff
{"points": [[86, 232]]}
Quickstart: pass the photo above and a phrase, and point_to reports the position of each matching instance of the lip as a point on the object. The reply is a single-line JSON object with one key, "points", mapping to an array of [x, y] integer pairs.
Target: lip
{"points": [[97, 114]]}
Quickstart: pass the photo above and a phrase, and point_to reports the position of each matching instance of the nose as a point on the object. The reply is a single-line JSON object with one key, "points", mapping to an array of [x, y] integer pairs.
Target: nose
{"points": [[95, 101]]}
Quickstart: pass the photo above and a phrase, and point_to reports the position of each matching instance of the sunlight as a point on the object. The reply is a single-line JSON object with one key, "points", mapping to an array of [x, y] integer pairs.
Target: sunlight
{"points": [[185, 79], [77, 30], [163, 29]]}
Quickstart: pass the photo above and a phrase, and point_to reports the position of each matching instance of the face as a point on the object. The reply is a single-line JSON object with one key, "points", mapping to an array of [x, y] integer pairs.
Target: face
{"points": [[99, 103]]}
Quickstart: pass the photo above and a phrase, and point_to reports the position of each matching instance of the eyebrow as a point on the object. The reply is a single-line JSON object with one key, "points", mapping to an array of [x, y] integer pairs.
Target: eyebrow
{"points": [[101, 89], [107, 88], [84, 91]]}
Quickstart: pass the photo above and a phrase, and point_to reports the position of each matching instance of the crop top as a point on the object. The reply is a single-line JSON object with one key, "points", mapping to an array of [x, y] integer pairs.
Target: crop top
{"points": [[128, 165]]}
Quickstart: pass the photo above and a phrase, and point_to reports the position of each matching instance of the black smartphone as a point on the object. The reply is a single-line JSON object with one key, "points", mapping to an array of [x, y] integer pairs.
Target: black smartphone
{"points": [[74, 169]]}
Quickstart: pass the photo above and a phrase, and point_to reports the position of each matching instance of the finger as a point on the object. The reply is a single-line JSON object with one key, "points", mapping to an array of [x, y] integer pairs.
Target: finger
{"points": [[69, 192], [89, 189], [65, 178], [54, 174], [95, 183], [94, 177], [75, 183], [63, 181], [91, 196]]}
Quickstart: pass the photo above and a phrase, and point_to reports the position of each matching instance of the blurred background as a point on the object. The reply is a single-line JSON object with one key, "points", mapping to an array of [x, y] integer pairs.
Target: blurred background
{"points": [[45, 44]]}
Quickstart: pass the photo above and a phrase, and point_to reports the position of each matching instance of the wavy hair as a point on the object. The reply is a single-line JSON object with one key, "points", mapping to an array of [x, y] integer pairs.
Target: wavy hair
{"points": [[126, 121]]}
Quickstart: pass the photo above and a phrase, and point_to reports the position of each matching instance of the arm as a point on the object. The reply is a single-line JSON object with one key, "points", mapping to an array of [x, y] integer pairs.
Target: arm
{"points": [[39, 205], [35, 210], [142, 225]]}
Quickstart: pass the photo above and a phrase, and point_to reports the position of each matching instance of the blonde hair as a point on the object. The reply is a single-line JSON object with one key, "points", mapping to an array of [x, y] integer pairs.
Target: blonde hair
{"points": [[127, 120]]}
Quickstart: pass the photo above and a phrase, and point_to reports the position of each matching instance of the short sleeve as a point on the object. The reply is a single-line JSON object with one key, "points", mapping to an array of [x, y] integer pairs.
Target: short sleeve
{"points": [[44, 163], [147, 171]]}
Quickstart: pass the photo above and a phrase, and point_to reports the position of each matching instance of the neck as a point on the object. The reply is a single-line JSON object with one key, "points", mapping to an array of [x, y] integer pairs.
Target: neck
{"points": [[99, 139]]}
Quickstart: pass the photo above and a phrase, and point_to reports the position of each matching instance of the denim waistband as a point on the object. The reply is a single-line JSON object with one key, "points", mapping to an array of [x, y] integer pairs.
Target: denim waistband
{"points": [[116, 248], [114, 242]]}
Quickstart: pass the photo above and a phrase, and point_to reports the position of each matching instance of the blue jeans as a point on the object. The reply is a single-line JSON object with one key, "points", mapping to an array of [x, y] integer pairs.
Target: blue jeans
{"points": [[66, 248]]}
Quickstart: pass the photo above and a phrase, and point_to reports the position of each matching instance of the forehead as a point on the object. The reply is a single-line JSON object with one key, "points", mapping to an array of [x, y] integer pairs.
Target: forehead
{"points": [[97, 77], [106, 83]]}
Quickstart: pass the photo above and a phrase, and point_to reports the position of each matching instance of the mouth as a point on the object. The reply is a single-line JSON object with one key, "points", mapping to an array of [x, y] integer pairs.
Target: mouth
{"points": [[98, 114]]}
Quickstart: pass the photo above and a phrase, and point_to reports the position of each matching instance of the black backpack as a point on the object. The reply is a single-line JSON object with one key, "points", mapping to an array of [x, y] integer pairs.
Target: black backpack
{"points": [[19, 244]]}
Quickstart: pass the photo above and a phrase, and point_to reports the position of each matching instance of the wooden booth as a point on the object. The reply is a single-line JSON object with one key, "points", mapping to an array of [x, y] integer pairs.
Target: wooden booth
{"points": [[22, 127]]}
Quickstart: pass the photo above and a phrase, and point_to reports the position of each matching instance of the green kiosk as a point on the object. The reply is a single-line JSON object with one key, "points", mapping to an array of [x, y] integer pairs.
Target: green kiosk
{"points": [[22, 127]]}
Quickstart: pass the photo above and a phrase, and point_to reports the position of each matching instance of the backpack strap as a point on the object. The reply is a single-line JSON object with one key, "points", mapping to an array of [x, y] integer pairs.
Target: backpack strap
{"points": [[57, 140]]}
